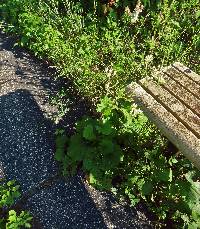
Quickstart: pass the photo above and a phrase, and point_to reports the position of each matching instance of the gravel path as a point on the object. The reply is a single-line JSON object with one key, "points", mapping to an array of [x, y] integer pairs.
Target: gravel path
{"points": [[27, 148]]}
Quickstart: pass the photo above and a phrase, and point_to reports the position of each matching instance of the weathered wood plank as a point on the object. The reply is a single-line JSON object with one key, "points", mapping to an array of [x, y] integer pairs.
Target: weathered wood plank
{"points": [[172, 128], [173, 105], [183, 80], [187, 71], [181, 94]]}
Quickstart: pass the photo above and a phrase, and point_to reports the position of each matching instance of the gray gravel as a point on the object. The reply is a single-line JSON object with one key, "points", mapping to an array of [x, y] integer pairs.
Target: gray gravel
{"points": [[27, 148]]}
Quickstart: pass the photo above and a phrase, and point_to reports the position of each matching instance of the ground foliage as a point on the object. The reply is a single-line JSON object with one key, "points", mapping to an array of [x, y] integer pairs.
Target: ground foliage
{"points": [[10, 218], [102, 46], [121, 152]]}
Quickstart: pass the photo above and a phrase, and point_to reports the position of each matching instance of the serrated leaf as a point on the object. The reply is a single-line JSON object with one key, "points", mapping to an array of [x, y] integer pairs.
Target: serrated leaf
{"points": [[172, 161], [140, 183], [29, 218], [59, 131], [88, 133], [22, 213], [114, 190], [16, 187]]}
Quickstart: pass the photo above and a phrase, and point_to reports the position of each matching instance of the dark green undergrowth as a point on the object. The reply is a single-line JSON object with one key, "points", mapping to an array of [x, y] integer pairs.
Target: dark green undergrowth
{"points": [[123, 152], [102, 52]]}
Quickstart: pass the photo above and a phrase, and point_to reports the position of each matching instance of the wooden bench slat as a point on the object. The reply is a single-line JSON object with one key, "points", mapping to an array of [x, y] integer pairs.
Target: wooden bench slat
{"points": [[173, 105], [186, 82], [181, 93], [176, 132], [192, 75]]}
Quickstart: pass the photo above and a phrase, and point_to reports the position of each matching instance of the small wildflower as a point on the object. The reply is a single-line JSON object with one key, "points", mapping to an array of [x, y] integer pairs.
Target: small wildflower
{"points": [[149, 58]]}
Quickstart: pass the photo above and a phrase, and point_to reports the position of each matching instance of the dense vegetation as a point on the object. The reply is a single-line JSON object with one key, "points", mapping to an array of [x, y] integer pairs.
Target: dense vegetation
{"points": [[101, 49]]}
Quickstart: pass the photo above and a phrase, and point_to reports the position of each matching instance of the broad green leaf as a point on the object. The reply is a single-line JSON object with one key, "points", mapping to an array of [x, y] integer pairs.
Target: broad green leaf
{"points": [[192, 197], [59, 154], [107, 146], [88, 164], [134, 200], [75, 149], [88, 133], [147, 188], [61, 141], [164, 175], [140, 183], [105, 128], [183, 187]]}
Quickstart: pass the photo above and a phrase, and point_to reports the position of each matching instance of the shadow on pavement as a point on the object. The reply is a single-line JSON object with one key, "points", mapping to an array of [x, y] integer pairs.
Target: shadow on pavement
{"points": [[36, 74]]}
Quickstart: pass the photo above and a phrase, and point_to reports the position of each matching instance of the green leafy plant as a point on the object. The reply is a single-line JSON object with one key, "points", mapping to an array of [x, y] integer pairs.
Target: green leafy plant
{"points": [[121, 151], [9, 192], [95, 146], [18, 221], [9, 219]]}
